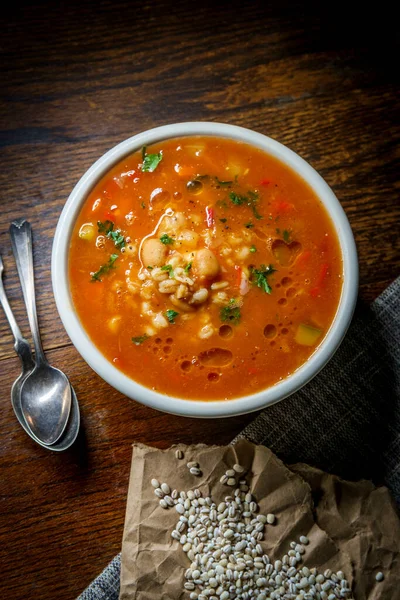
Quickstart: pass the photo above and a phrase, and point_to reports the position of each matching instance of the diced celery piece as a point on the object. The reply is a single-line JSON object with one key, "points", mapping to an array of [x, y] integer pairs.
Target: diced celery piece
{"points": [[87, 232], [234, 169], [307, 335]]}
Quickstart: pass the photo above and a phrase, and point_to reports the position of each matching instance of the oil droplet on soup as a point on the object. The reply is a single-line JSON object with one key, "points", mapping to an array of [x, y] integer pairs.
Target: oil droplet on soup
{"points": [[205, 268]]}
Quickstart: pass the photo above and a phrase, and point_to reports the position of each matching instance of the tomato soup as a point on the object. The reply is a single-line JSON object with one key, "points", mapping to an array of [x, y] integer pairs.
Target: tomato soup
{"points": [[204, 268]]}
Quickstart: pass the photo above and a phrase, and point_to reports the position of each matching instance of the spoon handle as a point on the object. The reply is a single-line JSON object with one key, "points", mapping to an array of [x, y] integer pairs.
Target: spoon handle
{"points": [[21, 239], [21, 346]]}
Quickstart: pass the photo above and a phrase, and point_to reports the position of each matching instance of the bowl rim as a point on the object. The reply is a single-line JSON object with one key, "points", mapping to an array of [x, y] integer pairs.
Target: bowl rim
{"points": [[180, 406]]}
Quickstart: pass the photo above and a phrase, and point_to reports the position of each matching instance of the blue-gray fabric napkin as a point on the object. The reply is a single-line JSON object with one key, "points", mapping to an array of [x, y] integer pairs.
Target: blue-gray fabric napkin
{"points": [[345, 421]]}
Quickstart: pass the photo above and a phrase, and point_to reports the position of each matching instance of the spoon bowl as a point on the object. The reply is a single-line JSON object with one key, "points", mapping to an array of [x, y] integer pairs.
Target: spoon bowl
{"points": [[71, 430], [45, 402]]}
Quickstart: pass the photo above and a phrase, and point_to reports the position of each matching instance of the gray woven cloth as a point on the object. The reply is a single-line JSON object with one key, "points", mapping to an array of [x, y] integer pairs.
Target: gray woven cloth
{"points": [[345, 421]]}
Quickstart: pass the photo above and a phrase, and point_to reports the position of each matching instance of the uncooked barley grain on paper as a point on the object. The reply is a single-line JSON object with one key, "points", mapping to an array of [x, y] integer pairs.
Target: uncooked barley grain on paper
{"points": [[222, 543]]}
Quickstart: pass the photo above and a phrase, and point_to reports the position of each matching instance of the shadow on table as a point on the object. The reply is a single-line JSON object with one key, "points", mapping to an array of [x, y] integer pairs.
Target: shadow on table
{"points": [[347, 419]]}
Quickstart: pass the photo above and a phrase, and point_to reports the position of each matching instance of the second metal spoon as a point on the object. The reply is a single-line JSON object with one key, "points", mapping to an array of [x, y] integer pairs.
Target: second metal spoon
{"points": [[46, 391]]}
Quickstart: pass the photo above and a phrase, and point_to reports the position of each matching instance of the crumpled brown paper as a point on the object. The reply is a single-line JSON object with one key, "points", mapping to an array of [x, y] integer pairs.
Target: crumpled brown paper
{"points": [[351, 526]]}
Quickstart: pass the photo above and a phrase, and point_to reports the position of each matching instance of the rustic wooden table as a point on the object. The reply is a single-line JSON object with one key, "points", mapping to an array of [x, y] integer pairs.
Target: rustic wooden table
{"points": [[77, 79]]}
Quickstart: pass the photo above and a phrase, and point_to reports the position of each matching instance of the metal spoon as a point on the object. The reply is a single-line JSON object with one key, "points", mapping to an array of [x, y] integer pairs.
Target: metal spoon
{"points": [[22, 348], [46, 391]]}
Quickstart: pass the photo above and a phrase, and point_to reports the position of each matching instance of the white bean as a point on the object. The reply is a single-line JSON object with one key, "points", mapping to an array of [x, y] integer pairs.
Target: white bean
{"points": [[153, 253], [206, 264], [188, 238]]}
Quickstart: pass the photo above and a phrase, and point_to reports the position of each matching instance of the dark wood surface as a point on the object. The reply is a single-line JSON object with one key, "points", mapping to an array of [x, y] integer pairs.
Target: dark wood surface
{"points": [[78, 78]]}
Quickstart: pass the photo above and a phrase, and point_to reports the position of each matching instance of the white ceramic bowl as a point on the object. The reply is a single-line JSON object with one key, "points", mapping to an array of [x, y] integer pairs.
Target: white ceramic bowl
{"points": [[180, 406]]}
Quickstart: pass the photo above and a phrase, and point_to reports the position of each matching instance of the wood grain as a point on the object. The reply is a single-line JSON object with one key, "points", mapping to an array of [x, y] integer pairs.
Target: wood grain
{"points": [[77, 78]]}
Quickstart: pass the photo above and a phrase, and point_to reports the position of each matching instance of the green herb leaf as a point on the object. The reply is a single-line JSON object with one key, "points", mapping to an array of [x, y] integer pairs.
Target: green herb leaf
{"points": [[230, 313], [169, 270], [286, 236], [107, 228], [140, 339], [150, 161], [142, 204], [171, 314], [251, 200], [149, 268], [104, 268], [249, 225], [253, 249], [117, 238], [223, 183], [165, 239], [236, 199], [223, 220], [259, 277], [188, 267]]}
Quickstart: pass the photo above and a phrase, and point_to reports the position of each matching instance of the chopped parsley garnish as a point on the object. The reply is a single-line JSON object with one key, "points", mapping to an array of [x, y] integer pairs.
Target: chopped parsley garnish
{"points": [[169, 270], [230, 313], [104, 268], [223, 220], [286, 236], [140, 339], [223, 183], [251, 200], [165, 239], [142, 204], [171, 315], [150, 161], [216, 179], [149, 268], [236, 199], [253, 248], [107, 228], [249, 225], [117, 238], [259, 277], [188, 267]]}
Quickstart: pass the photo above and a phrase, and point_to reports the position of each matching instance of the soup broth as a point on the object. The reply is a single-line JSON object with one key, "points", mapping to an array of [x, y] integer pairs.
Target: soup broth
{"points": [[204, 268]]}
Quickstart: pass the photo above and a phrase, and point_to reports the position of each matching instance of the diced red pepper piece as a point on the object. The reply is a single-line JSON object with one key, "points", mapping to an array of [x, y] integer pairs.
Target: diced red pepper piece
{"points": [[323, 272], [210, 216], [282, 207], [238, 277], [108, 216]]}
